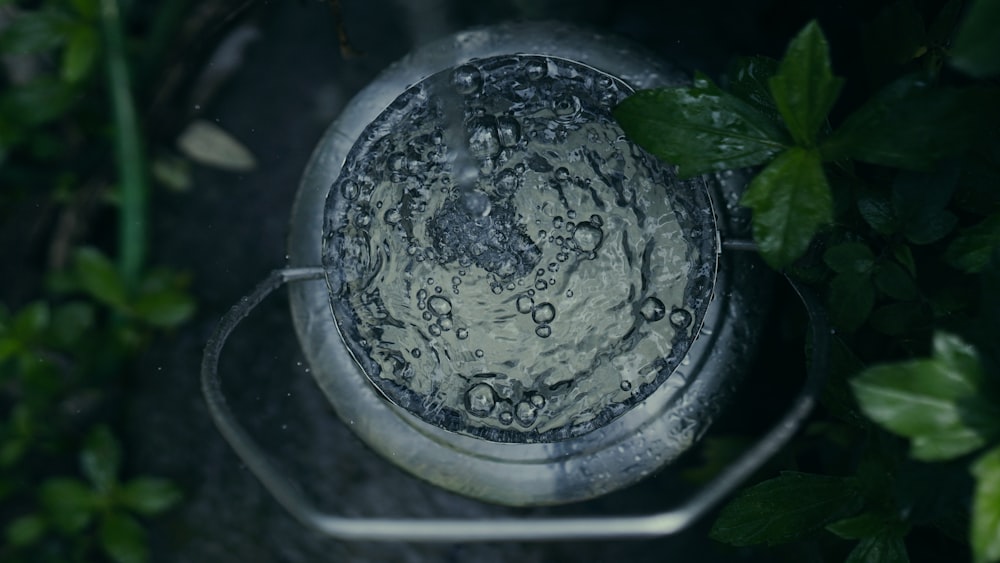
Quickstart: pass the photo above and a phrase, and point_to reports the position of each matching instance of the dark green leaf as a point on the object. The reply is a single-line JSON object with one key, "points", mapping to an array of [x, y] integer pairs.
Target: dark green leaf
{"points": [[920, 200], [80, 53], [25, 530], [166, 308], [31, 321], [804, 88], [911, 124], [69, 504], [877, 211], [98, 277], [976, 50], [790, 200], [86, 8], [899, 318], [34, 31], [785, 508], [123, 539], [884, 548], [894, 281], [36, 102], [864, 525], [850, 300], [972, 248], [101, 459], [747, 79], [985, 529], [70, 322], [850, 258], [700, 129], [938, 403], [904, 255], [149, 496]]}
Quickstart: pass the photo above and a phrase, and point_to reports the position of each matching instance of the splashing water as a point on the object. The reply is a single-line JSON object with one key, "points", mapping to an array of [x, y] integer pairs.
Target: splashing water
{"points": [[504, 263]]}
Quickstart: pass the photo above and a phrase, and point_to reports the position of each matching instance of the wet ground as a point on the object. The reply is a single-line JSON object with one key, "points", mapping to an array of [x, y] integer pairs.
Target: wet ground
{"points": [[230, 230]]}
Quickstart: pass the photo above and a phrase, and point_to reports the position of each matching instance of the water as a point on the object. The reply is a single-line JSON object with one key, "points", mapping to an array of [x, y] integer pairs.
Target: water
{"points": [[504, 263]]}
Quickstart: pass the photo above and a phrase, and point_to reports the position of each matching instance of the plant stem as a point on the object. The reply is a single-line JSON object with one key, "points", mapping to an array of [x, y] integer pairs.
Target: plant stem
{"points": [[133, 184]]}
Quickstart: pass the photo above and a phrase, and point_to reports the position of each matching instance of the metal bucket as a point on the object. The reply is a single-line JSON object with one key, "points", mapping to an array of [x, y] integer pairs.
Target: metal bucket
{"points": [[504, 296]]}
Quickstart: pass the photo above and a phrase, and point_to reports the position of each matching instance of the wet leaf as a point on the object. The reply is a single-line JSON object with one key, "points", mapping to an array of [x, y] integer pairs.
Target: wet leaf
{"points": [[883, 548], [976, 49], [166, 308], [700, 129], [877, 211], [69, 504], [972, 248], [790, 200], [850, 258], [149, 496], [850, 300], [938, 402], [123, 539], [785, 508], [912, 124], [99, 277], [207, 143], [804, 87], [985, 528], [747, 79], [920, 201], [101, 459], [857, 527]]}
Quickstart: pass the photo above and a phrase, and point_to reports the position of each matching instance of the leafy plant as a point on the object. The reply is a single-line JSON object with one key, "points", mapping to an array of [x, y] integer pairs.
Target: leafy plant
{"points": [[891, 212], [65, 135]]}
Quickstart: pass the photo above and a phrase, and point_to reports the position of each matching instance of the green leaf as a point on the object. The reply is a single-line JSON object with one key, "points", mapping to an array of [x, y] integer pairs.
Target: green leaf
{"points": [[165, 308], [850, 300], [32, 32], [884, 548], [790, 200], [101, 459], [785, 508], [877, 211], [899, 318], [700, 129], [747, 79], [71, 321], [80, 53], [976, 50], [25, 530], [912, 124], [937, 403], [149, 495], [858, 527], [804, 88], [972, 248], [37, 102], [69, 504], [850, 258], [123, 539], [985, 528], [920, 201], [31, 321], [98, 277], [894, 281]]}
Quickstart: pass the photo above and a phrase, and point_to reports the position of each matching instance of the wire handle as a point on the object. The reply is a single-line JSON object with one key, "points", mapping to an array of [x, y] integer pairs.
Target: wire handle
{"points": [[498, 529]]}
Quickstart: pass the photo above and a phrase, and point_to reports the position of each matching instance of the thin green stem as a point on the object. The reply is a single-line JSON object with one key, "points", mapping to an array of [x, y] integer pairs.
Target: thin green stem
{"points": [[133, 184]]}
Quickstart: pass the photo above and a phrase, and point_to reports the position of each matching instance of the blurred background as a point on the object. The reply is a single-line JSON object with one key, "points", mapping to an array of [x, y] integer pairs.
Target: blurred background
{"points": [[150, 155]]}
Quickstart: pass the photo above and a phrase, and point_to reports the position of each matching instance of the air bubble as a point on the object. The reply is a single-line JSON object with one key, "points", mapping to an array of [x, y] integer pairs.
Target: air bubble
{"points": [[543, 331], [652, 309], [541, 285], [562, 173], [538, 401], [438, 305], [480, 399], [626, 385], [508, 131], [526, 413], [506, 418], [415, 352], [479, 353], [535, 69], [566, 106], [680, 318], [462, 333], [435, 330], [467, 79], [588, 236], [484, 140], [543, 313], [524, 304], [350, 189]]}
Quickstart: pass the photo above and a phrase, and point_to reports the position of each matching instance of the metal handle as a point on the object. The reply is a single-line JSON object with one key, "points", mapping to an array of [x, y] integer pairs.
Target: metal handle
{"points": [[521, 529]]}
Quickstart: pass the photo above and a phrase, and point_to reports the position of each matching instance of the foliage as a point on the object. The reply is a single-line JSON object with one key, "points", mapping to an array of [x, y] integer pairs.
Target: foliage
{"points": [[67, 125], [889, 206]]}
